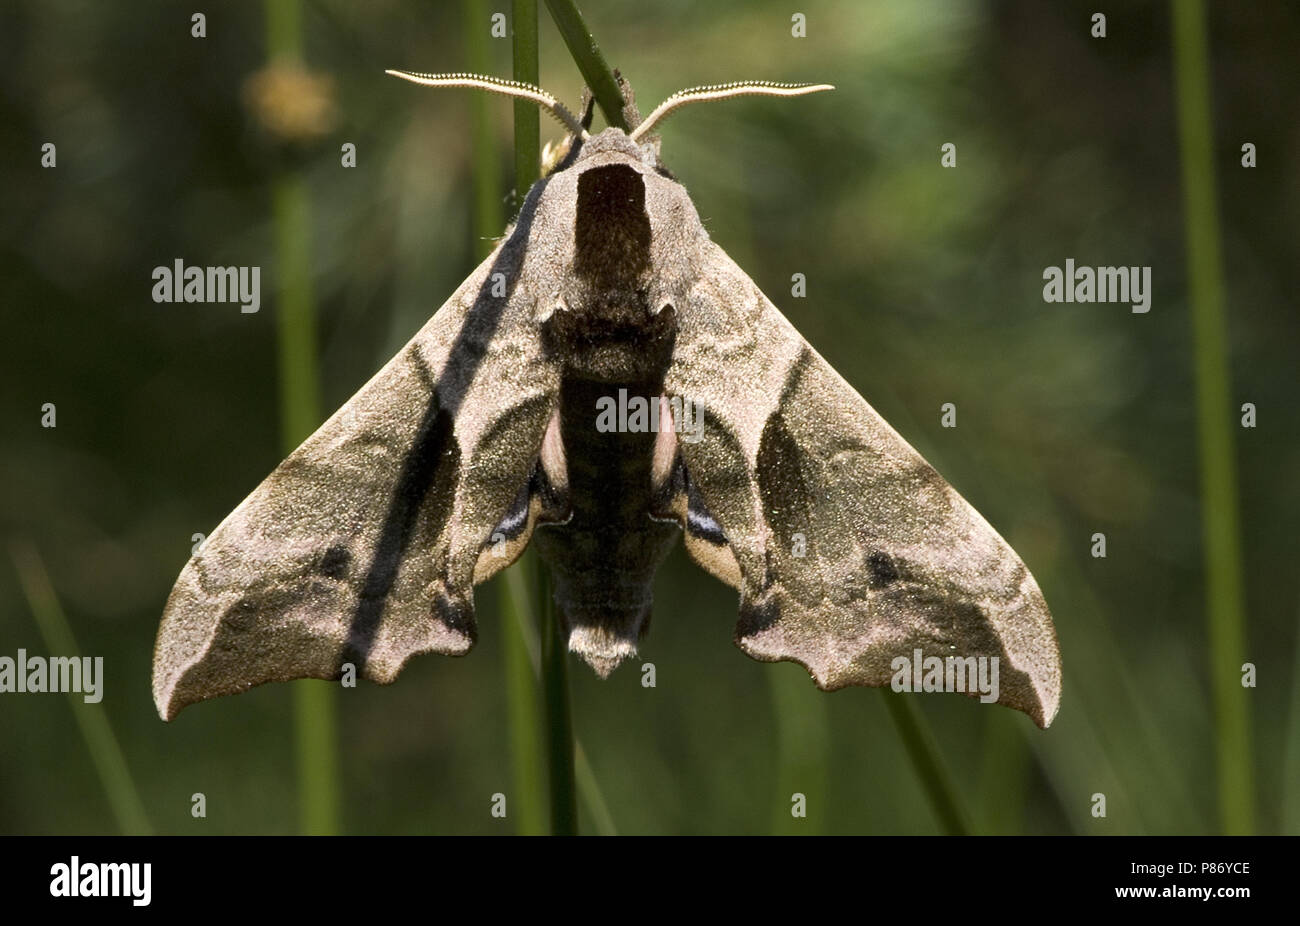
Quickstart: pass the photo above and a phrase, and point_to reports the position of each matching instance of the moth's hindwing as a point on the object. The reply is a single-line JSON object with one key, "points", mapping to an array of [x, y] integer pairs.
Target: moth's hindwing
{"points": [[362, 547], [852, 551]]}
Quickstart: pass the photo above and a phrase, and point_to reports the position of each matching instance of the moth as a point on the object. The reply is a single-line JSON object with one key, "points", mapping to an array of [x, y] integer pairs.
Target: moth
{"points": [[848, 550]]}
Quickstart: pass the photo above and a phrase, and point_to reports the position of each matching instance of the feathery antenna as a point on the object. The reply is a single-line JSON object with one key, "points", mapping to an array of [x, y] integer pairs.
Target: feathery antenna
{"points": [[512, 88], [721, 92]]}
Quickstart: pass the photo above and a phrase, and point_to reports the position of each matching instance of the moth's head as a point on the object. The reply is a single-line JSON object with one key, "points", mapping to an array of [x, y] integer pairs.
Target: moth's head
{"points": [[637, 142], [618, 222]]}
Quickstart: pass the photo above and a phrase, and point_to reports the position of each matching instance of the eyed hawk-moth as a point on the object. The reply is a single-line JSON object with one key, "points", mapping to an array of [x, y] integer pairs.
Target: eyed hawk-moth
{"points": [[363, 547]]}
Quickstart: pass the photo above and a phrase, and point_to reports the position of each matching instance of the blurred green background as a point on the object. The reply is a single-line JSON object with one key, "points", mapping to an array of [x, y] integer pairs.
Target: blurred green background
{"points": [[923, 287]]}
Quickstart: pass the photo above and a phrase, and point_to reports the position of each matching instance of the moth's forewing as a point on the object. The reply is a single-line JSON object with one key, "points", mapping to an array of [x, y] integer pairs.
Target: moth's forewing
{"points": [[362, 546], [852, 551]]}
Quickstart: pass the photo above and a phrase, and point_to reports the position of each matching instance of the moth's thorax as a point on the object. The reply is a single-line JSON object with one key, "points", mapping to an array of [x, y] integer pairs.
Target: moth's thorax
{"points": [[613, 320], [611, 337]]}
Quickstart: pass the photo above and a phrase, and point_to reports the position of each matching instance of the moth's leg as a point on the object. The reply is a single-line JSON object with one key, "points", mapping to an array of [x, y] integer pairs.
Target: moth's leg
{"points": [[677, 499], [499, 447], [543, 499]]}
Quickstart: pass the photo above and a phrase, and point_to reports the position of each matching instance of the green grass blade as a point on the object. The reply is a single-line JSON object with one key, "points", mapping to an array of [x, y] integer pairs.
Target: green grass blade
{"points": [[589, 790], [586, 54], [516, 598], [803, 738], [528, 126], [559, 722], [314, 703], [559, 725], [1221, 530], [92, 719], [1290, 823], [523, 700], [935, 779], [487, 219], [523, 705], [1003, 775]]}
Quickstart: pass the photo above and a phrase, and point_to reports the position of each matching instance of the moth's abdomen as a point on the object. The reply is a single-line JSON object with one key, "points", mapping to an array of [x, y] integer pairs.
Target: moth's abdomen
{"points": [[604, 558]]}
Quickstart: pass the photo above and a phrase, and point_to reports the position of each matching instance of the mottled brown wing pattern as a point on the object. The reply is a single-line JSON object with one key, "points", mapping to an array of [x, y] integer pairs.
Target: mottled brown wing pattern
{"points": [[851, 549], [362, 546]]}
